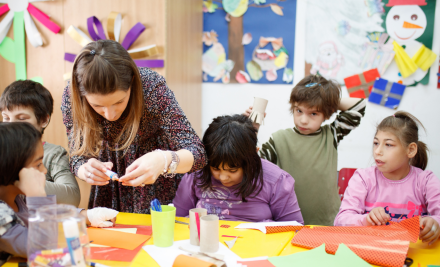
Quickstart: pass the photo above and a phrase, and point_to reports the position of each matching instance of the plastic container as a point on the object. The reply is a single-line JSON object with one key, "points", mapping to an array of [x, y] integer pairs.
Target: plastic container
{"points": [[163, 226], [47, 242]]}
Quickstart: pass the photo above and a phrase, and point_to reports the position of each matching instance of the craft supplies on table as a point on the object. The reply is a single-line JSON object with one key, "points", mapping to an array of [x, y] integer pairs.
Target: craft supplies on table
{"points": [[163, 218]]}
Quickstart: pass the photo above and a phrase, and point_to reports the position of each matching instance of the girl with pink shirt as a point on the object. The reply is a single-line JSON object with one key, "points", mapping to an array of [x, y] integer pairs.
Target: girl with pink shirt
{"points": [[398, 187]]}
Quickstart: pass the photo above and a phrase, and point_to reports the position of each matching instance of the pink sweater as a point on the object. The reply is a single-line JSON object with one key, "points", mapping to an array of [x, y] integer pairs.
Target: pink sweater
{"points": [[416, 194]]}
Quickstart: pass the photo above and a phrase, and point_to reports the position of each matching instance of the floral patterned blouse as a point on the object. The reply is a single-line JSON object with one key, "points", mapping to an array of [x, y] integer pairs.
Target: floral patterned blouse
{"points": [[163, 126]]}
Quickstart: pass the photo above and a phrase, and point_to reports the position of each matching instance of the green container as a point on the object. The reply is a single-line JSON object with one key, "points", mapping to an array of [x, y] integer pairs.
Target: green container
{"points": [[163, 226]]}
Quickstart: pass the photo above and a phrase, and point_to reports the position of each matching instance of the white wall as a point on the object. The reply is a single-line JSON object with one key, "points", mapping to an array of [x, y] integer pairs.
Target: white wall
{"points": [[355, 150]]}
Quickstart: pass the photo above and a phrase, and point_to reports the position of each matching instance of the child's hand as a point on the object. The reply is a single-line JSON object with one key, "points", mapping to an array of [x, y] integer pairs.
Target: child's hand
{"points": [[100, 217], [378, 216], [31, 182], [431, 230]]}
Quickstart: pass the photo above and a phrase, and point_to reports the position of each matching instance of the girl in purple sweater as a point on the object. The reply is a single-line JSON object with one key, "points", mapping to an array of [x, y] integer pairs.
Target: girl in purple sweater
{"points": [[398, 187], [236, 184]]}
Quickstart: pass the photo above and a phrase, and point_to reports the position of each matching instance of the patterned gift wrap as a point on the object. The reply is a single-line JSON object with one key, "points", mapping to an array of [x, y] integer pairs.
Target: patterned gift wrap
{"points": [[360, 85], [386, 93]]}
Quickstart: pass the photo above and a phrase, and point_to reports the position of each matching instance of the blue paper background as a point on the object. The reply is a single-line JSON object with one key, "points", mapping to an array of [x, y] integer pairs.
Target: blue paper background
{"points": [[259, 22]]}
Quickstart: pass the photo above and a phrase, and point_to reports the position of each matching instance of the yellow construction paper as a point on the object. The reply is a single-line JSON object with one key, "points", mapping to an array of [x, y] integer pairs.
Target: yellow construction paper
{"points": [[281, 60], [241, 9], [405, 64], [424, 58]]}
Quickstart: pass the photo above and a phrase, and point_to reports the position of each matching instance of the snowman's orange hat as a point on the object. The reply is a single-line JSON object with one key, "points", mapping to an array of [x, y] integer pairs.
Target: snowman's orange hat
{"points": [[406, 2]]}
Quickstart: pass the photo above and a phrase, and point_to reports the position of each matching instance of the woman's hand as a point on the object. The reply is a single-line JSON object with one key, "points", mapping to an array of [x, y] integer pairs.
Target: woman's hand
{"points": [[431, 230], [31, 182], [93, 172], [378, 216], [145, 169], [100, 217]]}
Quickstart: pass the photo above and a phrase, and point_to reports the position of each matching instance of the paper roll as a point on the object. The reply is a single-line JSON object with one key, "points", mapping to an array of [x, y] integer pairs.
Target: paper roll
{"points": [[143, 52], [193, 233], [114, 24], [209, 233], [259, 107]]}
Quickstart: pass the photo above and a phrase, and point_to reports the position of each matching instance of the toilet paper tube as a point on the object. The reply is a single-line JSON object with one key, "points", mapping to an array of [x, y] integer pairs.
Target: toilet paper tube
{"points": [[193, 233], [259, 107], [209, 233]]}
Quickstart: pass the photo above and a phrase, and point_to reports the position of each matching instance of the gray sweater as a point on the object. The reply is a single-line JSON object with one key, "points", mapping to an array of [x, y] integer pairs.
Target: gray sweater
{"points": [[59, 180]]}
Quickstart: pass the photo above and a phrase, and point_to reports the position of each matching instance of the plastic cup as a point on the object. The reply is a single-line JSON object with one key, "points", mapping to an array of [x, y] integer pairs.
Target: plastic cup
{"points": [[163, 226]]}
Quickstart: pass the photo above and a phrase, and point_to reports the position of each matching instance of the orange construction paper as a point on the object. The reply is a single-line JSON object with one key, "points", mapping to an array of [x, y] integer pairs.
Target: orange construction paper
{"points": [[116, 239], [381, 245], [280, 229], [187, 261], [120, 254]]}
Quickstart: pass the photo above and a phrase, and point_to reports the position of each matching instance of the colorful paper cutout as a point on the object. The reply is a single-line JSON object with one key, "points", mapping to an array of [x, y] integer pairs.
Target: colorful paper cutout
{"points": [[116, 239], [242, 77], [385, 245], [187, 261], [254, 70], [262, 226], [360, 85], [386, 93], [247, 38], [230, 243], [317, 257], [119, 254], [287, 75], [374, 6], [257, 263], [113, 31], [378, 54], [225, 226]]}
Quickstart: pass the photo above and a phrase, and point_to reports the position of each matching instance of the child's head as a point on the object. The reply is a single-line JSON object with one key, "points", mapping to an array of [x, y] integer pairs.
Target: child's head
{"points": [[396, 143], [20, 147], [312, 101], [27, 101], [231, 146]]}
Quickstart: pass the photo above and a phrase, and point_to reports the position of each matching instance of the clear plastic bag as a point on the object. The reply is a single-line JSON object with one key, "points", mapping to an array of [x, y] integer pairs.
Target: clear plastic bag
{"points": [[53, 239]]}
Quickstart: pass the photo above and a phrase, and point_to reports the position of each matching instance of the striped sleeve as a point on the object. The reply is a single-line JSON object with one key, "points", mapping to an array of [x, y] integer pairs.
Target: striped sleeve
{"points": [[268, 151], [348, 120]]}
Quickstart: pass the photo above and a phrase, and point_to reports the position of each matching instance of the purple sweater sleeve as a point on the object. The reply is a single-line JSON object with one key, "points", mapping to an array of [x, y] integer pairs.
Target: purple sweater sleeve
{"points": [[14, 241], [352, 208], [432, 196], [283, 203], [186, 198]]}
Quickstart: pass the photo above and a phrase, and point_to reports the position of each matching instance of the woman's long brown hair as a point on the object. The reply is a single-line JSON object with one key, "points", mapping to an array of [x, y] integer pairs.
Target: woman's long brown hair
{"points": [[108, 69]]}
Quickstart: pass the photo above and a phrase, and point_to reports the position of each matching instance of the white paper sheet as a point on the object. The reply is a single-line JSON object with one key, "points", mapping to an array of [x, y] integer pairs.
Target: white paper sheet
{"points": [[165, 256], [262, 225]]}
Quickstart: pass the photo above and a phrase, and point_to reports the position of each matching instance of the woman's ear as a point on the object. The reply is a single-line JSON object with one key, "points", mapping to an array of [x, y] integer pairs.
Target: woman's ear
{"points": [[45, 122], [412, 150]]}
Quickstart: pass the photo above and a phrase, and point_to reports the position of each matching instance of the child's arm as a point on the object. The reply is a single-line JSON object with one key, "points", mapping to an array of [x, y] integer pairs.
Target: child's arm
{"points": [[352, 110], [432, 194], [186, 198], [283, 203], [351, 212], [62, 182], [268, 151]]}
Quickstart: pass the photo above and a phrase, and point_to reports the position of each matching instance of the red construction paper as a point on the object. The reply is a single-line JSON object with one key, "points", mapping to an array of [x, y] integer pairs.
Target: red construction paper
{"points": [[381, 245], [366, 86], [119, 254], [4, 9], [43, 18], [261, 263], [280, 229]]}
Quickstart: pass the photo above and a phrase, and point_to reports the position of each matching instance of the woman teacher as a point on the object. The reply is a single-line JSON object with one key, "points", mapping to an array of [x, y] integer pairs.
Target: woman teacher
{"points": [[123, 118]]}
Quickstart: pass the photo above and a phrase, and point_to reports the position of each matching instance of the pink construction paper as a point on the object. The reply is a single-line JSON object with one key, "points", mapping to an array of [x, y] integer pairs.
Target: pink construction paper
{"points": [[43, 18]]}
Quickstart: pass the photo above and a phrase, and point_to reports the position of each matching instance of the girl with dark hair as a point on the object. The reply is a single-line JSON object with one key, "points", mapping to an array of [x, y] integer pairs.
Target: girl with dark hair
{"points": [[236, 184], [123, 118], [398, 187], [22, 186]]}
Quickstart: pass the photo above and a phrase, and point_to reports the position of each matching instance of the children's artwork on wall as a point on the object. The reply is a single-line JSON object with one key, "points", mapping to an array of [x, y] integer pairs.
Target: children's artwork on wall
{"points": [[335, 34], [410, 23], [18, 12], [240, 46], [114, 22]]}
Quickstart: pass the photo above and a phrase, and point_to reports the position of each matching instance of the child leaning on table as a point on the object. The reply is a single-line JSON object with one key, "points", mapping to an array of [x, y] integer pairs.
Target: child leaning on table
{"points": [[22, 188], [237, 185], [31, 102], [309, 150], [398, 187]]}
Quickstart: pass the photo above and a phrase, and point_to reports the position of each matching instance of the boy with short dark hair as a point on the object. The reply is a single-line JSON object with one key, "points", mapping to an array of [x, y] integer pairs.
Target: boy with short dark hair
{"points": [[31, 102], [308, 152]]}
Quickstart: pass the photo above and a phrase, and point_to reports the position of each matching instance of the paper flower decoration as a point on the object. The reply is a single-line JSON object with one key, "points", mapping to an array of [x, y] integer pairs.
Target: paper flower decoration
{"points": [[19, 13], [113, 32]]}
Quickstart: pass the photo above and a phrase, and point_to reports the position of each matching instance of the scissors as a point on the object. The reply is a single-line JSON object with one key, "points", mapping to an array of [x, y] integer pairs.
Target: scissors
{"points": [[155, 205], [408, 262]]}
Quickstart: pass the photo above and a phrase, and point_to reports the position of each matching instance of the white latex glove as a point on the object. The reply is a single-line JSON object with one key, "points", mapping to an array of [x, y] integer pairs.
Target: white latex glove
{"points": [[99, 217]]}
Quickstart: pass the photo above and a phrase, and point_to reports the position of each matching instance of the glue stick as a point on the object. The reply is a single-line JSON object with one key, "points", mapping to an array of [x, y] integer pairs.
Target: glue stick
{"points": [[71, 233], [112, 175]]}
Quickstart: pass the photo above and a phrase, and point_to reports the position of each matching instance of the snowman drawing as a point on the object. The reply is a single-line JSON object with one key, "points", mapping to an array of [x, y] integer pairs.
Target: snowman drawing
{"points": [[405, 22]]}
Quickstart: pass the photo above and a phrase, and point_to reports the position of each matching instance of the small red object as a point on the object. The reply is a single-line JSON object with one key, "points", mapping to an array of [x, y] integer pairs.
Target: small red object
{"points": [[198, 224], [232, 236], [345, 175], [360, 85], [225, 226], [406, 2]]}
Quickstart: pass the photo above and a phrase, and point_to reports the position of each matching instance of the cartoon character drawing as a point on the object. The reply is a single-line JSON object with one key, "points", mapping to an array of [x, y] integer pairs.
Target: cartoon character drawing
{"points": [[329, 60], [215, 199]]}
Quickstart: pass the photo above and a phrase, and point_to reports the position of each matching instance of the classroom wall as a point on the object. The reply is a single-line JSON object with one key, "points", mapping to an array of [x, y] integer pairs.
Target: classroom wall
{"points": [[355, 151]]}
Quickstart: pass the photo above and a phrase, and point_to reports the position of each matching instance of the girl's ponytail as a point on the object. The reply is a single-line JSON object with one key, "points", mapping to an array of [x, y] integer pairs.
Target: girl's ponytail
{"points": [[404, 125]]}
